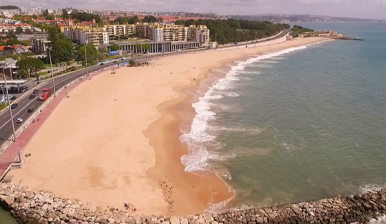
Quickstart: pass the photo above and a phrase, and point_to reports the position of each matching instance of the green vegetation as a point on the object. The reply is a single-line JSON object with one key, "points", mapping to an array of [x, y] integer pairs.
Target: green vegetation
{"points": [[61, 46], [296, 30], [114, 47], [132, 62], [84, 16], [146, 47], [92, 54], [65, 14], [27, 66], [3, 105], [234, 30], [127, 20], [19, 30], [150, 19]]}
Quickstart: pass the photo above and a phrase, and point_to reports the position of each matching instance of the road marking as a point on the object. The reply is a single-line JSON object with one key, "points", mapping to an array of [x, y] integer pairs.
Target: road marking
{"points": [[15, 115]]}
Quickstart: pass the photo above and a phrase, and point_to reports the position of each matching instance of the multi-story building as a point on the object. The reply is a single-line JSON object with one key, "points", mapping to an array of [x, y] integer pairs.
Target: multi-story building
{"points": [[87, 35], [158, 34], [144, 30], [119, 31], [200, 34], [40, 45]]}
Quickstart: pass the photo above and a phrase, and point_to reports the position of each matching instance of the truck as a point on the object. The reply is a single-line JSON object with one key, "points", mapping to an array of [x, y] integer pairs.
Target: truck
{"points": [[45, 94]]}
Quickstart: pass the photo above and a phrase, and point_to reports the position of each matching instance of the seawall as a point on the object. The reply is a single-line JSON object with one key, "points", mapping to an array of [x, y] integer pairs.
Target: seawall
{"points": [[42, 207]]}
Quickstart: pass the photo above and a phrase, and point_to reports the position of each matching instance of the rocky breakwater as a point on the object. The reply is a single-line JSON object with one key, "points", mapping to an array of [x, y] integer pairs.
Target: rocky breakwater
{"points": [[43, 207]]}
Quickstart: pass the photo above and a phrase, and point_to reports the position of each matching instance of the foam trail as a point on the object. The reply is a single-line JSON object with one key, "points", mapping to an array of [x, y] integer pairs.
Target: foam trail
{"points": [[198, 156]]}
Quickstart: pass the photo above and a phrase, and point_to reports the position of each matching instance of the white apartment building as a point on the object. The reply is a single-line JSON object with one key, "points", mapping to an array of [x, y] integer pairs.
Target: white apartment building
{"points": [[157, 34]]}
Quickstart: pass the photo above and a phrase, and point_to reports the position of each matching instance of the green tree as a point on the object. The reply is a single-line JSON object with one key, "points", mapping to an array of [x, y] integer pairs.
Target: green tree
{"points": [[114, 47], [91, 53], [65, 14], [127, 20], [19, 30], [132, 62], [296, 30], [61, 46], [84, 16], [27, 65], [12, 42], [10, 35], [149, 19], [45, 13]]}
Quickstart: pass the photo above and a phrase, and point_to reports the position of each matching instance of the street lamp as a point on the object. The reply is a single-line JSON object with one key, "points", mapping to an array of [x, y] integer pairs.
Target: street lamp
{"points": [[9, 105], [85, 56], [52, 73]]}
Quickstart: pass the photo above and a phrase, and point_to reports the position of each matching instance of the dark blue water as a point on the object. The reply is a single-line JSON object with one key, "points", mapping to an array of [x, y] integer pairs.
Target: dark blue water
{"points": [[300, 125]]}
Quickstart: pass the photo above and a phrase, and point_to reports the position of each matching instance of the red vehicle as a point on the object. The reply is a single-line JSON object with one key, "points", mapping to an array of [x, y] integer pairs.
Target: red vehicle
{"points": [[45, 94]]}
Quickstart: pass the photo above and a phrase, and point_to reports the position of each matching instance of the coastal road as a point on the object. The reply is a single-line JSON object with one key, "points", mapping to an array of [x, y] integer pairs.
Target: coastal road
{"points": [[25, 103]]}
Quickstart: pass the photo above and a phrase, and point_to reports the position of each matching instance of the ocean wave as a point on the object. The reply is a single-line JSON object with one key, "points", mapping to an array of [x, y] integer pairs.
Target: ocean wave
{"points": [[371, 188], [198, 155]]}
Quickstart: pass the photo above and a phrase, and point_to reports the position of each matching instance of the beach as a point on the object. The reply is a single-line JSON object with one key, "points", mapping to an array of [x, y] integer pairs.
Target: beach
{"points": [[115, 138]]}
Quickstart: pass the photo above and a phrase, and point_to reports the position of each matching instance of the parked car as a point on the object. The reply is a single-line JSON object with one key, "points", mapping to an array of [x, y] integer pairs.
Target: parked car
{"points": [[13, 106], [36, 91], [32, 96], [19, 120], [30, 110], [13, 98]]}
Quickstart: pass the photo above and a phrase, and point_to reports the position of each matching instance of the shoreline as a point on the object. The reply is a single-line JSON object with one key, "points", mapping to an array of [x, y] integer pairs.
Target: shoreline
{"points": [[179, 113], [131, 151]]}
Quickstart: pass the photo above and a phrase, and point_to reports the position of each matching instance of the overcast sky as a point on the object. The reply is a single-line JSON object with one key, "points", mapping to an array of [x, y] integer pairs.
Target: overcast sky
{"points": [[346, 8]]}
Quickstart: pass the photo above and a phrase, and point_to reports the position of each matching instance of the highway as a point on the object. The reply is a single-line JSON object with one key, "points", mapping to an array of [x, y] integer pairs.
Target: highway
{"points": [[24, 103]]}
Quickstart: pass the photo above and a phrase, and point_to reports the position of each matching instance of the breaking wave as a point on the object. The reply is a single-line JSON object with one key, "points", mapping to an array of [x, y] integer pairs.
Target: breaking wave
{"points": [[198, 137]]}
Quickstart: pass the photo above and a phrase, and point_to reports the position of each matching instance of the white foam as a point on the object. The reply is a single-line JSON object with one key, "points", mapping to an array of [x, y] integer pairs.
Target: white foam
{"points": [[379, 220], [233, 94], [198, 156], [371, 188]]}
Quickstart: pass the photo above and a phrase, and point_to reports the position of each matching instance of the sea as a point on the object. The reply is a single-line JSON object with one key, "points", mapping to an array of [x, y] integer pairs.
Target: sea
{"points": [[299, 124]]}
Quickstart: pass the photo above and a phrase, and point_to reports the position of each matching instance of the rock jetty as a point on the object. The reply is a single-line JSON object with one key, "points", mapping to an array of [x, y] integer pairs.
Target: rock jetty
{"points": [[42, 207]]}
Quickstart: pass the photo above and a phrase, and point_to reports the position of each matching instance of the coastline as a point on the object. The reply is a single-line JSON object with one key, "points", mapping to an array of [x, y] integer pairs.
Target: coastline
{"points": [[92, 172], [177, 116]]}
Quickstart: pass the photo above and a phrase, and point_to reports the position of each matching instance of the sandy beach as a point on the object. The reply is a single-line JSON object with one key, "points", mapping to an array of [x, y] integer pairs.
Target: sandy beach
{"points": [[115, 138]]}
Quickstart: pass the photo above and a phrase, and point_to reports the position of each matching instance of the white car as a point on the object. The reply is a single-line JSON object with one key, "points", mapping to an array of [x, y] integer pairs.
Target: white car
{"points": [[19, 120]]}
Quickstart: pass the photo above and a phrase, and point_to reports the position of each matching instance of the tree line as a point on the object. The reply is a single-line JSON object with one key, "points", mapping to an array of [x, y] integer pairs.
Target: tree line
{"points": [[296, 30], [235, 30], [135, 19]]}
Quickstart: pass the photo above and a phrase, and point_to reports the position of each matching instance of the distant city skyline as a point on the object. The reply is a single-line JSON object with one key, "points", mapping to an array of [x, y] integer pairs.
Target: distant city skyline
{"points": [[372, 9]]}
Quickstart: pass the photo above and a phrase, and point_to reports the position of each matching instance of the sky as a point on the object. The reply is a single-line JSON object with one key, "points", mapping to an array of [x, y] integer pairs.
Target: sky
{"points": [[374, 9]]}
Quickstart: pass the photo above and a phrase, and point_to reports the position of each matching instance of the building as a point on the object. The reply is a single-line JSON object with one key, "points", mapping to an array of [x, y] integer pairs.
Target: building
{"points": [[174, 32], [156, 46], [144, 30], [40, 45], [158, 35], [8, 67], [119, 31], [200, 34], [87, 35]]}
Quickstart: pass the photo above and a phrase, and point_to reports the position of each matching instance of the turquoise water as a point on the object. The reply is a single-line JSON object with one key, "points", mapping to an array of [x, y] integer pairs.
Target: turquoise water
{"points": [[299, 125]]}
